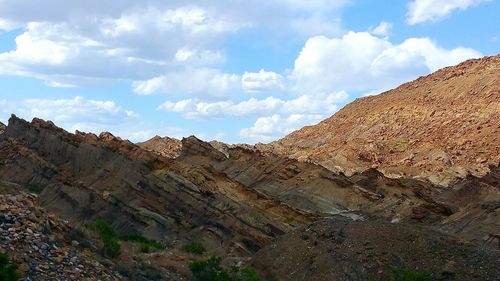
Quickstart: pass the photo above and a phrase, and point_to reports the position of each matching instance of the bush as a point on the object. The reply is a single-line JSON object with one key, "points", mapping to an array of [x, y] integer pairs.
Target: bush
{"points": [[111, 239], [7, 269], [34, 187], [145, 242], [111, 248], [194, 248], [210, 270]]}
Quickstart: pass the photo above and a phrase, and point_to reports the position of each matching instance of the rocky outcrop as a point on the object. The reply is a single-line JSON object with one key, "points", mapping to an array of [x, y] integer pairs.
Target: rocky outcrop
{"points": [[164, 146], [39, 242], [442, 127], [2, 128]]}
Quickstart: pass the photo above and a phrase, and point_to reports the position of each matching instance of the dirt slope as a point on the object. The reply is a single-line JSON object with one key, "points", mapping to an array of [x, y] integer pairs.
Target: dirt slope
{"points": [[441, 126]]}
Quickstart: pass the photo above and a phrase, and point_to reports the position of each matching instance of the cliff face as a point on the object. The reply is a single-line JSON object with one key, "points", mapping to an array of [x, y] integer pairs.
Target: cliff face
{"points": [[441, 126]]}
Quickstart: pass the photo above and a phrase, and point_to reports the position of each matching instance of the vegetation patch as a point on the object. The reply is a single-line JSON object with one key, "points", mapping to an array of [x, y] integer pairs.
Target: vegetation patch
{"points": [[210, 270], [111, 248], [34, 187], [111, 245], [145, 242], [8, 269], [194, 248]]}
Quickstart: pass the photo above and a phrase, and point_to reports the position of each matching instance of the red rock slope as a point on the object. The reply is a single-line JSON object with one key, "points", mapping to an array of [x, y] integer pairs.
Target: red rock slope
{"points": [[441, 126]]}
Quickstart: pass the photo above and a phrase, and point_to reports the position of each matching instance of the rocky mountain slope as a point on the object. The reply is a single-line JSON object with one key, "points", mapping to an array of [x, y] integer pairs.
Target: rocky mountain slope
{"points": [[359, 196], [40, 243], [237, 203], [442, 126], [165, 146]]}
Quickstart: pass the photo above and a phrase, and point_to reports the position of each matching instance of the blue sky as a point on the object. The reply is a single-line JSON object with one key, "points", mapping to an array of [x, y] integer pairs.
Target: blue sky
{"points": [[236, 71]]}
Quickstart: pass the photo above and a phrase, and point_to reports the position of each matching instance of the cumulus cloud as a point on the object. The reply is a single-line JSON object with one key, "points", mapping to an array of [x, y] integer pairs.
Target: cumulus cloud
{"points": [[360, 61], [262, 81], [382, 29], [89, 115], [191, 81], [318, 104], [270, 128], [75, 110], [420, 11], [89, 42]]}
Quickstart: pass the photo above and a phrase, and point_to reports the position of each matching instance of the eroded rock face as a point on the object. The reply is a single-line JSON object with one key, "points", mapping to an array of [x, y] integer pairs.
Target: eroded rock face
{"points": [[2, 128], [316, 190], [237, 200], [442, 126], [88, 177]]}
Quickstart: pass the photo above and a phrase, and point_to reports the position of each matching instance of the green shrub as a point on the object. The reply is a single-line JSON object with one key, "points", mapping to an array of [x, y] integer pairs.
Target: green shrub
{"points": [[210, 270], [145, 248], [403, 274], [111, 247], [7, 269], [34, 187], [194, 248], [150, 272], [111, 239], [137, 238]]}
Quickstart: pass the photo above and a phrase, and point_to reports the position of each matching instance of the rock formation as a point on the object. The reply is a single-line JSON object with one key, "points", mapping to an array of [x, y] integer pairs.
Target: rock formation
{"points": [[442, 126], [165, 146]]}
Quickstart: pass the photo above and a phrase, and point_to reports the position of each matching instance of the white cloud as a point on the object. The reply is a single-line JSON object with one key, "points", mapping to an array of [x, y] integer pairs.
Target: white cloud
{"points": [[262, 81], [318, 104], [88, 115], [198, 81], [89, 42], [383, 29], [270, 128], [74, 111], [360, 61], [420, 11]]}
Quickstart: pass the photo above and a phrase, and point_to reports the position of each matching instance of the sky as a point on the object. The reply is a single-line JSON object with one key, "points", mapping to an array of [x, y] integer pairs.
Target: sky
{"points": [[236, 71]]}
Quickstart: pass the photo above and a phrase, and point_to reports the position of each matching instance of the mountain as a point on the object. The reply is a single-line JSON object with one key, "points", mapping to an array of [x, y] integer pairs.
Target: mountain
{"points": [[239, 203], [333, 201], [441, 126]]}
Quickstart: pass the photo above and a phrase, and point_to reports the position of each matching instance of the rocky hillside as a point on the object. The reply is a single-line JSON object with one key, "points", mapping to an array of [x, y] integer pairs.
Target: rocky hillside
{"points": [[442, 126], [2, 127], [40, 242], [238, 202], [165, 146]]}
